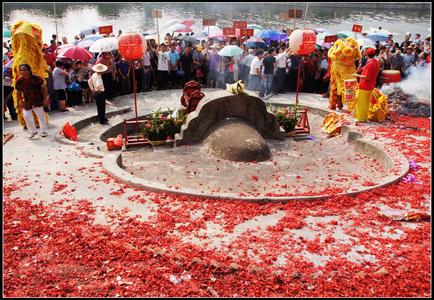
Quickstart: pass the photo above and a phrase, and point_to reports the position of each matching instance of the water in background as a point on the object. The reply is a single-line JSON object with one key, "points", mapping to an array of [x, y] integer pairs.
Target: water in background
{"points": [[74, 17]]}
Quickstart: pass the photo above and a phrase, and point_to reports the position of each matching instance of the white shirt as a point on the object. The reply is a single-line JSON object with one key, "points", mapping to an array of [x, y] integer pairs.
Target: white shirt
{"points": [[236, 60], [324, 64], [281, 60], [256, 64], [163, 61], [95, 82]]}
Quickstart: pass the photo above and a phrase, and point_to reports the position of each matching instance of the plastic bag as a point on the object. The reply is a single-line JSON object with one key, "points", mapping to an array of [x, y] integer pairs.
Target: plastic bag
{"points": [[70, 132], [74, 87], [119, 141]]}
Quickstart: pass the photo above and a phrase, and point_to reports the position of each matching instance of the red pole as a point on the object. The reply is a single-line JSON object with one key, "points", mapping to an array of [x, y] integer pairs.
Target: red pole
{"points": [[135, 99], [298, 82]]}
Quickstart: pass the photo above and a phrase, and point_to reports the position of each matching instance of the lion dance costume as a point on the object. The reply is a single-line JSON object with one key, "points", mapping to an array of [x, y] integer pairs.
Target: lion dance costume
{"points": [[27, 49], [343, 56]]}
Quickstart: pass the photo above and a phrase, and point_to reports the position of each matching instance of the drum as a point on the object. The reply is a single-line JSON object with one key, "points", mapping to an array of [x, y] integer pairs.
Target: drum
{"points": [[390, 76], [349, 96], [350, 84]]}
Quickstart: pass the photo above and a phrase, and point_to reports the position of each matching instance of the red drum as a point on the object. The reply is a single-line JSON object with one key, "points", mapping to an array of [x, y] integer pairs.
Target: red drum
{"points": [[349, 97], [390, 76], [350, 84]]}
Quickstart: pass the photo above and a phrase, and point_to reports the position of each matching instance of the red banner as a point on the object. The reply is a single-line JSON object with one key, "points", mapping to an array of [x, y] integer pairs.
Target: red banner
{"points": [[246, 32], [357, 28], [156, 13], [208, 22], [228, 31], [240, 24], [330, 38], [105, 29], [294, 13]]}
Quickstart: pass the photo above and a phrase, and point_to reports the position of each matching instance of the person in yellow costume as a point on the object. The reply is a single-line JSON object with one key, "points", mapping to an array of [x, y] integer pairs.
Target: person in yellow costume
{"points": [[343, 56], [27, 49], [367, 85]]}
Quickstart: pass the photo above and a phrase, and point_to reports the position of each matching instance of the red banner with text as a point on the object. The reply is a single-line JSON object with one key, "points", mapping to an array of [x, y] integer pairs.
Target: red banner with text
{"points": [[105, 29], [228, 31]]}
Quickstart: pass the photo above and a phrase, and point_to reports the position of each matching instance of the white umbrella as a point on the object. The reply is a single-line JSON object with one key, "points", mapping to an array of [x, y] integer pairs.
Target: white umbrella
{"points": [[93, 37], [151, 37], [366, 43], [85, 44], [230, 50], [104, 45], [320, 39], [173, 28]]}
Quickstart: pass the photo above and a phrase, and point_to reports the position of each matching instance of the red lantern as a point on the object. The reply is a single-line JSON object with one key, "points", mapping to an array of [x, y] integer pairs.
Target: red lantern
{"points": [[302, 41], [132, 45]]}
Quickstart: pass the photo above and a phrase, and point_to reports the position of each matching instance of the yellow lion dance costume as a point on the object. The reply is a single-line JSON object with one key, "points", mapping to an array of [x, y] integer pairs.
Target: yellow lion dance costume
{"points": [[27, 49], [343, 56]]}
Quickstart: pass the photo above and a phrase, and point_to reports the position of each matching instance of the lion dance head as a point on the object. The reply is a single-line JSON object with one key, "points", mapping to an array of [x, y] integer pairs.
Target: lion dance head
{"points": [[27, 49]]}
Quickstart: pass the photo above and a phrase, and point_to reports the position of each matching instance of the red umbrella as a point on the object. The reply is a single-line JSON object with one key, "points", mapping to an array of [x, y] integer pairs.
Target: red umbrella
{"points": [[187, 22], [185, 29], [75, 52]]}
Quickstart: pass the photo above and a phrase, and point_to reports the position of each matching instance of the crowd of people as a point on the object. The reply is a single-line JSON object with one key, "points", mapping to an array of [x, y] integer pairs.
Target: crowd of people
{"points": [[271, 69]]}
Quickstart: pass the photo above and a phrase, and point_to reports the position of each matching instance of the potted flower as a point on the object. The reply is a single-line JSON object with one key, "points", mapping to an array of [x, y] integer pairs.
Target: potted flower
{"points": [[288, 117], [161, 126]]}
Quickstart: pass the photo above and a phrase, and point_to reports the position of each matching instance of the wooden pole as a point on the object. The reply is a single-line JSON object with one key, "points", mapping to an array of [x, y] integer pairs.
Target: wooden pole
{"points": [[135, 96], [298, 82], [158, 31], [305, 14], [55, 21]]}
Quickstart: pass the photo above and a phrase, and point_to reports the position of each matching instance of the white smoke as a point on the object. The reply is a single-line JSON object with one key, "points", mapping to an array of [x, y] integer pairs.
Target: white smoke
{"points": [[418, 83]]}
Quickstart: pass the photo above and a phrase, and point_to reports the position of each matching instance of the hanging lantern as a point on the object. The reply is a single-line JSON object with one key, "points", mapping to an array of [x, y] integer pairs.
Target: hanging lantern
{"points": [[302, 42], [132, 45]]}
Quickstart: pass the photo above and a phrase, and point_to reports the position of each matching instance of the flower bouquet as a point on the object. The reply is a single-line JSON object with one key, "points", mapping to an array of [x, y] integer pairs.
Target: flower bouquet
{"points": [[162, 126], [288, 117]]}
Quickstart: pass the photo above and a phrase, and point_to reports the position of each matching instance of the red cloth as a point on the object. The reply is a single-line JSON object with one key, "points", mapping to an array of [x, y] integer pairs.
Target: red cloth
{"points": [[428, 59], [371, 72], [50, 58]]}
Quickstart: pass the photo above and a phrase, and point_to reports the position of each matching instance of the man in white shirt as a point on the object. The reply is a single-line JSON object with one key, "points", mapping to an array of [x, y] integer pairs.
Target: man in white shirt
{"points": [[163, 67], [255, 75], [246, 62], [281, 59], [96, 85], [417, 40]]}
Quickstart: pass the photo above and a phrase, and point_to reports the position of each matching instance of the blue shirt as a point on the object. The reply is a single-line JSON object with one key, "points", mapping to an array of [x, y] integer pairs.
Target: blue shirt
{"points": [[173, 56]]}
